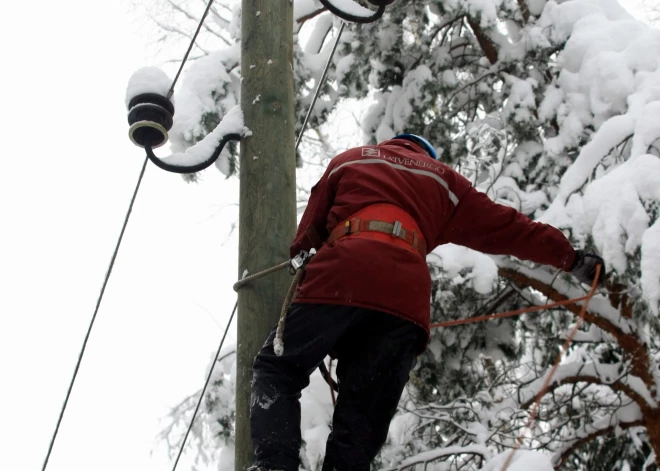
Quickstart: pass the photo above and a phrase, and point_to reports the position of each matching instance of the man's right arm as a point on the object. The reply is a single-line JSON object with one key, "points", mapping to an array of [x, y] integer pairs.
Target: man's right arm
{"points": [[489, 227]]}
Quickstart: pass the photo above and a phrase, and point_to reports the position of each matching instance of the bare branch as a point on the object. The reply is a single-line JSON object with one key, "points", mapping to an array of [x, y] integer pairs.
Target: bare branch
{"points": [[188, 15], [172, 29], [309, 16]]}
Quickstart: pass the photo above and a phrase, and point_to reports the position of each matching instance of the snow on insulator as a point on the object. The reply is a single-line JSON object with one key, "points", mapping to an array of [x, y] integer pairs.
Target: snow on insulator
{"points": [[147, 80]]}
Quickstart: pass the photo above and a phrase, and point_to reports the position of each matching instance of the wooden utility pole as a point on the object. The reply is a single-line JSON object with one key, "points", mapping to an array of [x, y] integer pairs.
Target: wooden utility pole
{"points": [[267, 219]]}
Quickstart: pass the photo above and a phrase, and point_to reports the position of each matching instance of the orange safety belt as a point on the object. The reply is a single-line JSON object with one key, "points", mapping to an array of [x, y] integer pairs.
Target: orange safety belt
{"points": [[384, 222]]}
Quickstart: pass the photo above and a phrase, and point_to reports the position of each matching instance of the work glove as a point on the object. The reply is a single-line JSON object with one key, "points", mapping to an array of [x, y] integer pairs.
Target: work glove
{"points": [[584, 267]]}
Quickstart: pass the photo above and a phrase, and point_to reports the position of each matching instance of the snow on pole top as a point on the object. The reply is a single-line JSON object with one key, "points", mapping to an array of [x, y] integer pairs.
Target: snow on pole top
{"points": [[148, 80]]}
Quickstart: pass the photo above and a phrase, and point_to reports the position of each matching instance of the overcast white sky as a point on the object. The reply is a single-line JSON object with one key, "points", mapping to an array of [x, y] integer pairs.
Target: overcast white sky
{"points": [[68, 171], [67, 178]]}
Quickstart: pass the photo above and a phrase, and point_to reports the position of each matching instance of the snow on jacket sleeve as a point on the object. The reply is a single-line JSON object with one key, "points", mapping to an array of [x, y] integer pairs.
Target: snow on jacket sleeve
{"points": [[489, 227], [312, 230]]}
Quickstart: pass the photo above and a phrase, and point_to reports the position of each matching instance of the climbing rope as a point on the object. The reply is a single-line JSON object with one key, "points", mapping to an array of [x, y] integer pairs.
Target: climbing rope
{"points": [[247, 279], [381, 4], [296, 267], [548, 379], [489, 317], [278, 343]]}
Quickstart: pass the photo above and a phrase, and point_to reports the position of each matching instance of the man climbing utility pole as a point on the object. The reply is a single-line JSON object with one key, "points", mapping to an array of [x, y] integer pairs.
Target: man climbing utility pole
{"points": [[267, 196]]}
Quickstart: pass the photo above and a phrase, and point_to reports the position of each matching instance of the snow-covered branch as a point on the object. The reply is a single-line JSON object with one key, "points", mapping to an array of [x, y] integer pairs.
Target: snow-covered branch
{"points": [[620, 329], [604, 375]]}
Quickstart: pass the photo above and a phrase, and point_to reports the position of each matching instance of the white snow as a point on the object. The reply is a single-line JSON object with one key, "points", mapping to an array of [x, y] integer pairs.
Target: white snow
{"points": [[318, 35], [523, 460], [431, 455], [650, 280], [455, 258], [614, 208], [207, 88], [316, 416], [536, 6], [303, 8], [609, 82], [521, 103], [605, 374], [607, 94], [232, 123], [147, 80], [400, 101]]}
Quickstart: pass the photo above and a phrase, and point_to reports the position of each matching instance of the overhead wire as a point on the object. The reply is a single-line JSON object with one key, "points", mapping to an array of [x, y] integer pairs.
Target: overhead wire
{"points": [[206, 384], [319, 85], [114, 257], [91, 324]]}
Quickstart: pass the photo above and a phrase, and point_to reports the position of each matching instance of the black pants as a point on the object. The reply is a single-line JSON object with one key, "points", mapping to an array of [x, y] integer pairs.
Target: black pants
{"points": [[375, 353]]}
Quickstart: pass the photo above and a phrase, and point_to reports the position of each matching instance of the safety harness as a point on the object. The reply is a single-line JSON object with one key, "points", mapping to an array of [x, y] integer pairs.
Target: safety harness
{"points": [[383, 222]]}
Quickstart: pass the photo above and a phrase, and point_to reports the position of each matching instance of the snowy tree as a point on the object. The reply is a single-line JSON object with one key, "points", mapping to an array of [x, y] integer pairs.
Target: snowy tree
{"points": [[550, 107]]}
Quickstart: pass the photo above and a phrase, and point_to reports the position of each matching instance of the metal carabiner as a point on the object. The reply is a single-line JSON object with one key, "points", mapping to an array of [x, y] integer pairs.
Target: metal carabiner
{"points": [[300, 260]]}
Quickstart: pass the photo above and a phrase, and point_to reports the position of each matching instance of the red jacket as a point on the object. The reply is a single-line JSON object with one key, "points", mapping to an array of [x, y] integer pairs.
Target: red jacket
{"points": [[383, 276]]}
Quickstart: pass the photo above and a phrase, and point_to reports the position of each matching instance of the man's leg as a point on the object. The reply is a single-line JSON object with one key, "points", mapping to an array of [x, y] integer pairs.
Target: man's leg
{"points": [[312, 330], [374, 362]]}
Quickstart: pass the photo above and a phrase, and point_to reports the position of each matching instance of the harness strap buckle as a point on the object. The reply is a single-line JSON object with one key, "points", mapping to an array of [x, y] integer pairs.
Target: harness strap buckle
{"points": [[396, 230], [347, 227]]}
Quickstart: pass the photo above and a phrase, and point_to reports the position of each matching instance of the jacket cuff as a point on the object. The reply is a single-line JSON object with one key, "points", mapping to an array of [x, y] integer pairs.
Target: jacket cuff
{"points": [[575, 260]]}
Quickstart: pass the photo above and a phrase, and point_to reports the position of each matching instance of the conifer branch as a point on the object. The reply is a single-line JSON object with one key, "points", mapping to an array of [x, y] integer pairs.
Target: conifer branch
{"points": [[309, 16], [524, 9], [630, 342], [487, 44], [592, 436], [616, 385]]}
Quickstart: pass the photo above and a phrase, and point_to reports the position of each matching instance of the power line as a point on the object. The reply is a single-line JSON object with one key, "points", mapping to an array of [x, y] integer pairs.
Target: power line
{"points": [[192, 44], [114, 255], [201, 396], [96, 310]]}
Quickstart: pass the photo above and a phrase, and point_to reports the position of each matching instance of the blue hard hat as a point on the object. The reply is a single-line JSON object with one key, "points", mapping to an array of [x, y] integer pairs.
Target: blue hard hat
{"points": [[426, 145]]}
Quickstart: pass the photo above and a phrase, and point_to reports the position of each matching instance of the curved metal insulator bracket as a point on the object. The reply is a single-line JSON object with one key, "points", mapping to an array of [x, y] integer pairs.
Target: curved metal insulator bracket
{"points": [[174, 168], [355, 18]]}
